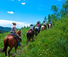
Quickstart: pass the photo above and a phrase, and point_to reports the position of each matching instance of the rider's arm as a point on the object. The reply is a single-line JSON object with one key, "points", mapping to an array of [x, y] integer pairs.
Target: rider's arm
{"points": [[15, 29]]}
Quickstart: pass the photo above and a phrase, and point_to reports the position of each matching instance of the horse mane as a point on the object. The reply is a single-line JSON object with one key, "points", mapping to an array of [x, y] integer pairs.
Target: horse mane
{"points": [[18, 32]]}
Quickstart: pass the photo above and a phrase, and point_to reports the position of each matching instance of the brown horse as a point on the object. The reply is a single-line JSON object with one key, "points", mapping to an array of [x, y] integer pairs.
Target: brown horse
{"points": [[30, 34], [43, 28], [49, 25], [11, 42]]}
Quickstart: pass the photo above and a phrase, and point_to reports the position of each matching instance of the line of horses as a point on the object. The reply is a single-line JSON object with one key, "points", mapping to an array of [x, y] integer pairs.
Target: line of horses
{"points": [[36, 30], [10, 41]]}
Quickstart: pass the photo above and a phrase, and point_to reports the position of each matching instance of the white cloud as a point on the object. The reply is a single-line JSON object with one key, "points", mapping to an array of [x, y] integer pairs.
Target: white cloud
{"points": [[7, 23], [10, 12], [23, 0], [23, 3], [12, 0], [59, 0], [19, 0]]}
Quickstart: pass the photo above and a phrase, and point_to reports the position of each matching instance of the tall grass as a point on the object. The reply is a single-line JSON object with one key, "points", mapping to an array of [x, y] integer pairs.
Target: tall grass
{"points": [[49, 43]]}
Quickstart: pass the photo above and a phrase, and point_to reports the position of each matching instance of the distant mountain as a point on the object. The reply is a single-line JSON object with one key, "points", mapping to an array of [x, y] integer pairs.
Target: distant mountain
{"points": [[4, 29]]}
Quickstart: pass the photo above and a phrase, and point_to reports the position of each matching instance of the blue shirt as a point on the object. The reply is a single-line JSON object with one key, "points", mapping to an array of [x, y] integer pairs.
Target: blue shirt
{"points": [[50, 22]]}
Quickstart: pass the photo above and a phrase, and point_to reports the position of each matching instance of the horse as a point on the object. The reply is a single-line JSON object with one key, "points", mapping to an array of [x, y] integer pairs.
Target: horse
{"points": [[30, 34], [43, 27], [49, 25], [37, 30], [10, 41]]}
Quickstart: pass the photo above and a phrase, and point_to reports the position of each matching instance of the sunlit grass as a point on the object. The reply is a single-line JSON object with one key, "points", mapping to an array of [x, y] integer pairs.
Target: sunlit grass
{"points": [[49, 43]]}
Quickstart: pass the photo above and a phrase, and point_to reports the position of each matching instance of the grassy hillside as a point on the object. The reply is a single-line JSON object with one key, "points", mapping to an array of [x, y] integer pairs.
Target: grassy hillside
{"points": [[23, 43], [49, 43]]}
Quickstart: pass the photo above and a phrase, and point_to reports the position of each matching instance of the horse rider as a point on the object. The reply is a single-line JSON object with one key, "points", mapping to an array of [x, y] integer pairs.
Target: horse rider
{"points": [[44, 24], [38, 26], [50, 22], [13, 31], [31, 27]]}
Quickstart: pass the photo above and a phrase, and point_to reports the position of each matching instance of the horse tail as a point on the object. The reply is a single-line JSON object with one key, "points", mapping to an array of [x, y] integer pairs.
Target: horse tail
{"points": [[5, 45]]}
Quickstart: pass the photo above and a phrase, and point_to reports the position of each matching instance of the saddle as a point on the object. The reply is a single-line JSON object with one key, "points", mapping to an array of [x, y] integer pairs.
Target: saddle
{"points": [[36, 27], [13, 35], [49, 25]]}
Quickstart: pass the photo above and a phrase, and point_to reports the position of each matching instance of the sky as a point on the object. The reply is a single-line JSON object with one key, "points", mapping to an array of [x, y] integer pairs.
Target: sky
{"points": [[25, 12]]}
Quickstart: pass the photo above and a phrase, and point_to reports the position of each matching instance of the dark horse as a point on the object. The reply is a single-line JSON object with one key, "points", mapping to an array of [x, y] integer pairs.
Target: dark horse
{"points": [[30, 34], [37, 30], [11, 42]]}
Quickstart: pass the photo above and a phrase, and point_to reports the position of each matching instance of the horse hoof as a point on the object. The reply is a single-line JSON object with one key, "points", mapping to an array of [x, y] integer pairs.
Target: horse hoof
{"points": [[5, 55]]}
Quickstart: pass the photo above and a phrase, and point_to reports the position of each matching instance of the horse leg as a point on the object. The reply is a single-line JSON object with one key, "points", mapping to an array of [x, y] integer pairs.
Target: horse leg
{"points": [[6, 52], [16, 48], [48, 26], [27, 39], [51, 25], [9, 51], [35, 32], [38, 30], [32, 38]]}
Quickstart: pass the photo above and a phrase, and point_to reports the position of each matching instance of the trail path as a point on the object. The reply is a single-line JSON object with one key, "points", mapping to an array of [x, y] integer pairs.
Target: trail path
{"points": [[21, 50]]}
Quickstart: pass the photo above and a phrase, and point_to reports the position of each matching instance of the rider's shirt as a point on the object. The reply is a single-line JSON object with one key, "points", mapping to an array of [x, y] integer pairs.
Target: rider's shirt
{"points": [[37, 25], [13, 29], [50, 22], [31, 27], [43, 23]]}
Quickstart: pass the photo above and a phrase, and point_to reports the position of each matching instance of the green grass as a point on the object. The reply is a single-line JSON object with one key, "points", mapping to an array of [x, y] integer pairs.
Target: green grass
{"points": [[49, 43]]}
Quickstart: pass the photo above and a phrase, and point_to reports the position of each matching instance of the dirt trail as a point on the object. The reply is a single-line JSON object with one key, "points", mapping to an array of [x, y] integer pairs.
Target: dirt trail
{"points": [[21, 50]]}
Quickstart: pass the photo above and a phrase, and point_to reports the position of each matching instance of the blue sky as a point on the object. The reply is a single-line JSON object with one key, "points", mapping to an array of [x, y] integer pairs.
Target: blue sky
{"points": [[25, 11]]}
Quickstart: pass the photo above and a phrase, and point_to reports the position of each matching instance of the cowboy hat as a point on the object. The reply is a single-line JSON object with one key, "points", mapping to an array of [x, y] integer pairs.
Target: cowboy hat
{"points": [[14, 23], [31, 25]]}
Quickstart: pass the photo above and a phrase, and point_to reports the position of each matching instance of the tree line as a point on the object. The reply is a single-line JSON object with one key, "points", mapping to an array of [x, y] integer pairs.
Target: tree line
{"points": [[58, 13]]}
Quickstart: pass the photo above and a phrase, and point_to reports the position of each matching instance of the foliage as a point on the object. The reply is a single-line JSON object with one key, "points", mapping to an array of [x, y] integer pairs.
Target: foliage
{"points": [[54, 9], [65, 6], [45, 18], [4, 29], [49, 17], [49, 43]]}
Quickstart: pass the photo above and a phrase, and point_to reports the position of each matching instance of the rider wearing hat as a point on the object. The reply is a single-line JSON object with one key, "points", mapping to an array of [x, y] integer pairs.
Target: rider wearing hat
{"points": [[44, 24], [38, 24], [31, 27], [50, 22], [13, 31]]}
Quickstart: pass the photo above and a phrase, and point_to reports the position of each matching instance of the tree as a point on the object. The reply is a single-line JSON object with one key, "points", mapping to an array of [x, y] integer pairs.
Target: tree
{"points": [[63, 13], [65, 6], [45, 18], [54, 9], [49, 17], [53, 17]]}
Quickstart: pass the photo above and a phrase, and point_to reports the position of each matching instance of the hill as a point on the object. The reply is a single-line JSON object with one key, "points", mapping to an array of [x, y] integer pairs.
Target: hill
{"points": [[49, 43], [4, 29]]}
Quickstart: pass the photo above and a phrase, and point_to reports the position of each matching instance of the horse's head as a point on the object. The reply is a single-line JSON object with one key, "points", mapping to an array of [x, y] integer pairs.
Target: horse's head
{"points": [[33, 28], [18, 32]]}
